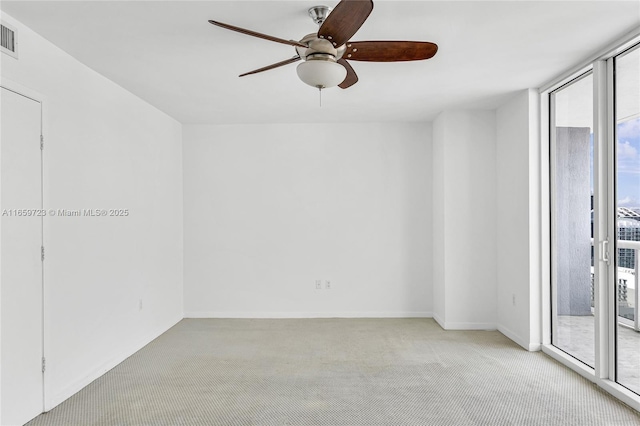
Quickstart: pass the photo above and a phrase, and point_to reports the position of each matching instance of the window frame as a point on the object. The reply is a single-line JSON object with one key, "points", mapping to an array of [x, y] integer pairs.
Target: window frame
{"points": [[602, 66]]}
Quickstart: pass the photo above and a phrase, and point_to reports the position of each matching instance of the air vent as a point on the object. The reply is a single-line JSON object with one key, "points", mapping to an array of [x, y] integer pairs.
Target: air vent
{"points": [[8, 40]]}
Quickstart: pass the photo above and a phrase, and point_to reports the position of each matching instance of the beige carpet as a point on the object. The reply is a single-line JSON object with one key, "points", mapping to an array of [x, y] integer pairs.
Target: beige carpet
{"points": [[337, 372]]}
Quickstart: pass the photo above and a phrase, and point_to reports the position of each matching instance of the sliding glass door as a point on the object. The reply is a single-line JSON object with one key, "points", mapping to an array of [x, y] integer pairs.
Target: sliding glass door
{"points": [[627, 188], [572, 203], [594, 138]]}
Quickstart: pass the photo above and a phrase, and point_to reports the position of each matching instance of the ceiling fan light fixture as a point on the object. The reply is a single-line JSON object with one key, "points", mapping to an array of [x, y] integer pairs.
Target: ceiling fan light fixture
{"points": [[327, 54], [321, 73]]}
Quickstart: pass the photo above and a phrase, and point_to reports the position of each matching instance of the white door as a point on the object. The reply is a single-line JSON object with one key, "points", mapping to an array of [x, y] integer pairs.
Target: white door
{"points": [[21, 280], [627, 207]]}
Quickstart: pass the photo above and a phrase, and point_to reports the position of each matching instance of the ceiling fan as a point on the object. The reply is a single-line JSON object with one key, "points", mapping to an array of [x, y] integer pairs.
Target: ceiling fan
{"points": [[326, 54]]}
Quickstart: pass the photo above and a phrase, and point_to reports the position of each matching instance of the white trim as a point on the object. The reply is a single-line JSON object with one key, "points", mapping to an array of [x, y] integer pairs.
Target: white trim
{"points": [[600, 218], [511, 335], [611, 222], [485, 326], [568, 361], [571, 78], [545, 219], [612, 388], [553, 290], [535, 347], [301, 315], [535, 223], [447, 325], [38, 97], [604, 221], [113, 360], [620, 392], [22, 90], [611, 49], [439, 320]]}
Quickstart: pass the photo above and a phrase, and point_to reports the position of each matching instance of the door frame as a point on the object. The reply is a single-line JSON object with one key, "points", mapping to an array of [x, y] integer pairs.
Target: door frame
{"points": [[42, 100], [604, 219], [612, 125], [552, 176]]}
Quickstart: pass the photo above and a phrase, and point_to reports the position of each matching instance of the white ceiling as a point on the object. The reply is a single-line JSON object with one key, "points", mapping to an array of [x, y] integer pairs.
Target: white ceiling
{"points": [[168, 54]]}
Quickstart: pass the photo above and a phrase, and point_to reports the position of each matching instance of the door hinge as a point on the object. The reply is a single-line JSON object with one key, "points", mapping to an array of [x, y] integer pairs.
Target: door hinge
{"points": [[42, 253], [44, 364], [41, 142]]}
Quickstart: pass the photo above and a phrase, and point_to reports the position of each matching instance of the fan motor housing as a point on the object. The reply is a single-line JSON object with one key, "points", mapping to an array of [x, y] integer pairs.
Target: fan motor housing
{"points": [[319, 48]]}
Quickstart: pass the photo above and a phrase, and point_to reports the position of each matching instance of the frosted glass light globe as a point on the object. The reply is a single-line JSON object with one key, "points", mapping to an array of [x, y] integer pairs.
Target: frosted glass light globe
{"points": [[321, 74]]}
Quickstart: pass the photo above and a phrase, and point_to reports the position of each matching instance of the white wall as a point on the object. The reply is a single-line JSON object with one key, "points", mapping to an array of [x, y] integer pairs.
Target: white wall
{"points": [[107, 149], [270, 209], [518, 217], [465, 219], [438, 203]]}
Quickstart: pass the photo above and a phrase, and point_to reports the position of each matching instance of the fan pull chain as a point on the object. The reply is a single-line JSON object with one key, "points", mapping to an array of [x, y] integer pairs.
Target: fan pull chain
{"points": [[320, 93]]}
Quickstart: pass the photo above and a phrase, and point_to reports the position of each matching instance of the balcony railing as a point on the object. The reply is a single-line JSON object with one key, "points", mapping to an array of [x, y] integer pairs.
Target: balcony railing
{"points": [[627, 288]]}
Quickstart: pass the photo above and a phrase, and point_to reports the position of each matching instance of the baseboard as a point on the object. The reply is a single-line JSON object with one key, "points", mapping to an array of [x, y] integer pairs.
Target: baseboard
{"points": [[535, 347], [447, 325], [470, 326], [439, 320], [511, 335], [112, 361], [276, 315]]}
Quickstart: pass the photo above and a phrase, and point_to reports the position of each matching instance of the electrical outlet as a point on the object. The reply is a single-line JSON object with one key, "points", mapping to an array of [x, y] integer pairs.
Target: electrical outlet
{"points": [[327, 285], [318, 284]]}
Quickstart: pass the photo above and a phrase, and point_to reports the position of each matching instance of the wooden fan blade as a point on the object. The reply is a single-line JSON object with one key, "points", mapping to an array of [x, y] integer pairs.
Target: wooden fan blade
{"points": [[351, 78], [256, 34], [389, 51], [344, 20], [270, 67]]}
